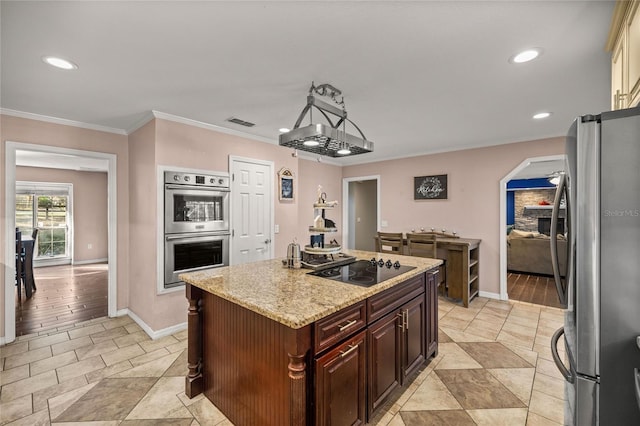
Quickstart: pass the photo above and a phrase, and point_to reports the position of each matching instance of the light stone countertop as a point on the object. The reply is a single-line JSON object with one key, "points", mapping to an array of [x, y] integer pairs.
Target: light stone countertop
{"points": [[291, 296]]}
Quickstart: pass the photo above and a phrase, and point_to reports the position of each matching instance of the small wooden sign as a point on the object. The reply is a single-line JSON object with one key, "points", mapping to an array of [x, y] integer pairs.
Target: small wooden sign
{"points": [[430, 187]]}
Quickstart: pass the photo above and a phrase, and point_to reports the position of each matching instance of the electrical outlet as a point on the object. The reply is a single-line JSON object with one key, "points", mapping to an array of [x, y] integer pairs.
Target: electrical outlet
{"points": [[89, 246]]}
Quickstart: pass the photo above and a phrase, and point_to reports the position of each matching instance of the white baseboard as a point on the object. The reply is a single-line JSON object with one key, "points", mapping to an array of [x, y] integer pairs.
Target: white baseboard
{"points": [[489, 295], [150, 332], [43, 263], [88, 261]]}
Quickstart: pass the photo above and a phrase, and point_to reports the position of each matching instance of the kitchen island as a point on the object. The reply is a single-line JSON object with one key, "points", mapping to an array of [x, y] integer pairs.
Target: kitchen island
{"points": [[275, 346]]}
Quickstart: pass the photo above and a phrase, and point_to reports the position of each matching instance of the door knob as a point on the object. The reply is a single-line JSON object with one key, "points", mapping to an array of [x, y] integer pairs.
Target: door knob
{"points": [[267, 241]]}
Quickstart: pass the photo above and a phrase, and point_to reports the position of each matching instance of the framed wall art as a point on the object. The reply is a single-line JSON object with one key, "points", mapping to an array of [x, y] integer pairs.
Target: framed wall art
{"points": [[285, 185], [430, 187]]}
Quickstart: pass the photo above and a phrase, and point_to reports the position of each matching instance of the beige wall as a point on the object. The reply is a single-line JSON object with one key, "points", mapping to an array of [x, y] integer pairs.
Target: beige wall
{"points": [[311, 174], [181, 145], [143, 218], [89, 212], [472, 207], [167, 143], [170, 144], [15, 129]]}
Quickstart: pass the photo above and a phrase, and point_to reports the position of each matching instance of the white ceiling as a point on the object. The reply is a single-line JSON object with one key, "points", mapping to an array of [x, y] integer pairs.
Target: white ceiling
{"points": [[417, 77]]}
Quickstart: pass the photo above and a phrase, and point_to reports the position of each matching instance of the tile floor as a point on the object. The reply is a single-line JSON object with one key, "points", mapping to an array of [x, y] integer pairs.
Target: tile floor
{"points": [[494, 367]]}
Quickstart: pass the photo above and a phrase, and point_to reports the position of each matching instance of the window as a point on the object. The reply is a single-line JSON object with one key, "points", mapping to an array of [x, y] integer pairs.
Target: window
{"points": [[45, 206]]}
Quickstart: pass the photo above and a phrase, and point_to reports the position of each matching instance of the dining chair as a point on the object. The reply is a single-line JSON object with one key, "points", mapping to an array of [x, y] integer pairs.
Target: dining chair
{"points": [[19, 264], [34, 237], [389, 242], [426, 245], [422, 245]]}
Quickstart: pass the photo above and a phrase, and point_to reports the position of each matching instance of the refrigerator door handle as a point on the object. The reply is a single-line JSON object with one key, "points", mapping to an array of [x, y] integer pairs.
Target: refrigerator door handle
{"points": [[562, 189], [636, 377], [568, 374]]}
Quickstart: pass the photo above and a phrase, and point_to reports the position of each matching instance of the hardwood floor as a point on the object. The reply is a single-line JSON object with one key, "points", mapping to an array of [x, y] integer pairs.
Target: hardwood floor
{"points": [[65, 295], [538, 289]]}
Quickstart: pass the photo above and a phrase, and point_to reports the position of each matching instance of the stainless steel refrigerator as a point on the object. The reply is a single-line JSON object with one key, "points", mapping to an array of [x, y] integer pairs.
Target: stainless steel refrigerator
{"points": [[600, 190]]}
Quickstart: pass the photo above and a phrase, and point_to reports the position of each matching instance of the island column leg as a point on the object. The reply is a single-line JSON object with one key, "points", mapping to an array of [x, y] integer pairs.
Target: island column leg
{"points": [[298, 346], [298, 387], [194, 381]]}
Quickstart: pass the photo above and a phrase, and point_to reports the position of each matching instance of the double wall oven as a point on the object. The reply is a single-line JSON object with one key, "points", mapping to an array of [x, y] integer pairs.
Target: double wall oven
{"points": [[196, 223]]}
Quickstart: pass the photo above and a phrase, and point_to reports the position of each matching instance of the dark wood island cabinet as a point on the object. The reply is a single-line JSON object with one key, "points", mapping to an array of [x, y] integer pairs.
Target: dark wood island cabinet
{"points": [[301, 350]]}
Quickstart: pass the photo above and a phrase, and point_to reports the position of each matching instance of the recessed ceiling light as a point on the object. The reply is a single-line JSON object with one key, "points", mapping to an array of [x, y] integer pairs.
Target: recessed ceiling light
{"points": [[541, 115], [525, 56], [284, 130], [59, 63]]}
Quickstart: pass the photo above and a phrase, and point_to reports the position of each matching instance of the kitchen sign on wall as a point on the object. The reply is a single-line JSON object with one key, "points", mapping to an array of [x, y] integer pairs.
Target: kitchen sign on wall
{"points": [[430, 187]]}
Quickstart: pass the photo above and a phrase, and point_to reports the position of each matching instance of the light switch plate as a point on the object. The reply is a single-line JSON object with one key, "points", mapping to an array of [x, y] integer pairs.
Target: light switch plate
{"points": [[384, 223], [276, 229]]}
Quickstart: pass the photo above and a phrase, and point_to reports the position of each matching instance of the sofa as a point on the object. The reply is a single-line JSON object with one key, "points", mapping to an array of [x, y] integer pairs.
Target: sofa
{"points": [[530, 252]]}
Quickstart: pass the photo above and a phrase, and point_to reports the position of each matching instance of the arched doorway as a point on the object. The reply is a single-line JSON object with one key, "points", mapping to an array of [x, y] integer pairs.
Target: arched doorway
{"points": [[527, 169]]}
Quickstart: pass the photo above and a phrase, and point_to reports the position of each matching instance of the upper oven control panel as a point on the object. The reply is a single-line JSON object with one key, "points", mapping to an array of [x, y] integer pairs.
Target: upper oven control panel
{"points": [[219, 180]]}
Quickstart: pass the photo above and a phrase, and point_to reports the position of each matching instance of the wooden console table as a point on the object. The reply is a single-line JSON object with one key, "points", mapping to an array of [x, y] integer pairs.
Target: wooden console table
{"points": [[462, 256], [462, 263]]}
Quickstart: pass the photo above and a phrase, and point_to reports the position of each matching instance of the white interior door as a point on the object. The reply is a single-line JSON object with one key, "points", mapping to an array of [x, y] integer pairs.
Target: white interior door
{"points": [[251, 210]]}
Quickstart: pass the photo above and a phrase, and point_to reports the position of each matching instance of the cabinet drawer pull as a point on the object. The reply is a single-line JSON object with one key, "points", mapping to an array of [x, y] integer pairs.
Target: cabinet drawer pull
{"points": [[405, 319], [401, 316], [347, 325], [348, 351]]}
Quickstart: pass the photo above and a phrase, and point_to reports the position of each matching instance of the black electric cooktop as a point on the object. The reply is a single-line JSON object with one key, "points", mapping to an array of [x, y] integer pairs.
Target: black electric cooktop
{"points": [[364, 272]]}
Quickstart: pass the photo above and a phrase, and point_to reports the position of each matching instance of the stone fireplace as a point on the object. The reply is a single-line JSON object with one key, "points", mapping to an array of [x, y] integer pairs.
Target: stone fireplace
{"points": [[531, 212], [544, 225]]}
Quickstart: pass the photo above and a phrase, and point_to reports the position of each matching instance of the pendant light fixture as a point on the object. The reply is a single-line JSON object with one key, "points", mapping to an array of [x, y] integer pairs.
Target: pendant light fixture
{"points": [[326, 139]]}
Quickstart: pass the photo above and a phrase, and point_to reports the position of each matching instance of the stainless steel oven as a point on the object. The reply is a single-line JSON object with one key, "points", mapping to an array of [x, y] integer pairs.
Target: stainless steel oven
{"points": [[196, 223], [193, 251], [196, 203]]}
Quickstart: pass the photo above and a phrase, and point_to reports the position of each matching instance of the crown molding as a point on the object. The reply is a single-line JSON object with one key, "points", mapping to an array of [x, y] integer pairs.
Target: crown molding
{"points": [[202, 125], [147, 117], [63, 121]]}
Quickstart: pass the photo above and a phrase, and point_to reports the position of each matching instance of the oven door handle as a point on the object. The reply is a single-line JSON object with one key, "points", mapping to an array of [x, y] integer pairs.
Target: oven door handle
{"points": [[198, 188], [194, 235], [636, 378]]}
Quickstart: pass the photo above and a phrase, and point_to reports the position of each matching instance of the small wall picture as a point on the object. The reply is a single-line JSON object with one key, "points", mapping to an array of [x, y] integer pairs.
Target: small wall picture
{"points": [[285, 184], [430, 187]]}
